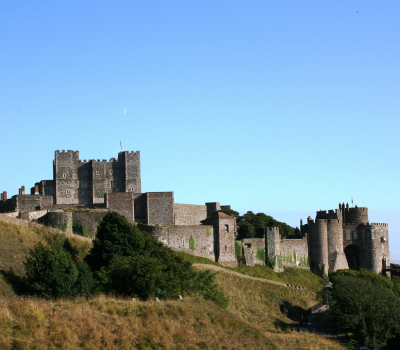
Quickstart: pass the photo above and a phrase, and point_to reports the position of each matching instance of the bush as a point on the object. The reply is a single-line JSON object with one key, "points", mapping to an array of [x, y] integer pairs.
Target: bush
{"points": [[52, 271]]}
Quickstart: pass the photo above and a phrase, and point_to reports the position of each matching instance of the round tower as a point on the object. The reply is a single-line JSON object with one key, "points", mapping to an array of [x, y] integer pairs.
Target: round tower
{"points": [[377, 255], [318, 245], [336, 256], [356, 216]]}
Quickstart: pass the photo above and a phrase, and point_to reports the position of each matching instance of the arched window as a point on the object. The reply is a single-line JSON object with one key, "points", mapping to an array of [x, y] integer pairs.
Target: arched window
{"points": [[226, 228]]}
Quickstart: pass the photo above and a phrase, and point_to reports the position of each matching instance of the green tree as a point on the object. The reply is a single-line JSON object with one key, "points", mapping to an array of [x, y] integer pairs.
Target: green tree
{"points": [[253, 225], [365, 304], [115, 237], [128, 261], [51, 271]]}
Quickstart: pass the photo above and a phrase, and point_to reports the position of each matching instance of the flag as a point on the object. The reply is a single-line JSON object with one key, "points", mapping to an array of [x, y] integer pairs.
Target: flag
{"points": [[120, 143]]}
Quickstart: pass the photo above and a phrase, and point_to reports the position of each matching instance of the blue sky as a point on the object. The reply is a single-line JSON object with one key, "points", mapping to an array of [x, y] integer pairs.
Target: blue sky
{"points": [[282, 107]]}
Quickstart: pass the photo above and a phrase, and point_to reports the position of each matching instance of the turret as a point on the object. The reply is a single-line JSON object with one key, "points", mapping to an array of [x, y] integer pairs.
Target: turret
{"points": [[318, 245], [336, 256], [131, 161], [66, 177]]}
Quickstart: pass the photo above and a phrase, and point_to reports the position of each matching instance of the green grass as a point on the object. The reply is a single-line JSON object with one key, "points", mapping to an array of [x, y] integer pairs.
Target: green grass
{"points": [[292, 276], [197, 259]]}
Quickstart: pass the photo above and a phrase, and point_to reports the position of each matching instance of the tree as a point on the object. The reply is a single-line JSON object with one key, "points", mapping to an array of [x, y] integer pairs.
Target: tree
{"points": [[115, 237], [52, 271], [254, 225], [365, 304], [128, 261]]}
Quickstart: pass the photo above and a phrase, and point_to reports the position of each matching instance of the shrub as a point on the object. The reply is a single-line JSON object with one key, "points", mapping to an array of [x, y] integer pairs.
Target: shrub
{"points": [[52, 271]]}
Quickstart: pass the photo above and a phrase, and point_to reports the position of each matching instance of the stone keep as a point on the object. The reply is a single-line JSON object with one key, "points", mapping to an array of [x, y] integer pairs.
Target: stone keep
{"points": [[85, 183]]}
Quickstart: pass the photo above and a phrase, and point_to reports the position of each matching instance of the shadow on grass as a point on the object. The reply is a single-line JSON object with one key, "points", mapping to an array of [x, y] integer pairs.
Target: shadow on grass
{"points": [[294, 313], [16, 282]]}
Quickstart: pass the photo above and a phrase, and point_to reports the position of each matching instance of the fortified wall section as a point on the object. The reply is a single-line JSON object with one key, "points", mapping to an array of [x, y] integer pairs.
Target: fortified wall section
{"points": [[197, 240], [224, 238], [86, 222], [122, 203], [285, 251], [160, 208], [189, 214], [254, 251]]}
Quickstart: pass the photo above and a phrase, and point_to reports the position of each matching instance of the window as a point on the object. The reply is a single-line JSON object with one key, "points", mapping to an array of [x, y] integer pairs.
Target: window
{"points": [[113, 185], [348, 237], [372, 233], [67, 192], [354, 235], [64, 175], [226, 228], [111, 172], [97, 172]]}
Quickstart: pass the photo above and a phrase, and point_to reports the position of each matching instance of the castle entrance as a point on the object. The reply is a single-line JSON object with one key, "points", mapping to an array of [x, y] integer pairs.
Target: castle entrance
{"points": [[352, 253]]}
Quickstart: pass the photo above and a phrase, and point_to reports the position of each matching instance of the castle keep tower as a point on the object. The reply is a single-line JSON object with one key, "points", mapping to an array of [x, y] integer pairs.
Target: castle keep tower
{"points": [[86, 183]]}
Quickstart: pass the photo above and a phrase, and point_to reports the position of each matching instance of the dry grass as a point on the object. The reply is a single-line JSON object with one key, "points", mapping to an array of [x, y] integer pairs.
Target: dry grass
{"points": [[252, 320], [109, 323]]}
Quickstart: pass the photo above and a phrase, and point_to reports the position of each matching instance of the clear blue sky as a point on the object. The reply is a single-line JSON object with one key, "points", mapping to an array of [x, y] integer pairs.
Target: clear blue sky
{"points": [[282, 107]]}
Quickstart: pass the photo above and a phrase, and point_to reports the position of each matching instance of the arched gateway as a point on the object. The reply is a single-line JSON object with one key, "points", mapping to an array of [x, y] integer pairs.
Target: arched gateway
{"points": [[352, 253]]}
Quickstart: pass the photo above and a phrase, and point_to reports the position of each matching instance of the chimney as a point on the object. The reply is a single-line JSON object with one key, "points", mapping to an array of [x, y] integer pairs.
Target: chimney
{"points": [[36, 189], [23, 190], [20, 191], [4, 195]]}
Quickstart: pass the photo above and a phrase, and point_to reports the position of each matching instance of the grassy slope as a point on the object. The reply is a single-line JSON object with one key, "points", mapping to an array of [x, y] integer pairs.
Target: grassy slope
{"points": [[251, 321]]}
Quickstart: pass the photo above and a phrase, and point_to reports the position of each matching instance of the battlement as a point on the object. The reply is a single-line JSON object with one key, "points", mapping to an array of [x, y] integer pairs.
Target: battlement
{"points": [[130, 153], [378, 224], [356, 208], [75, 153]]}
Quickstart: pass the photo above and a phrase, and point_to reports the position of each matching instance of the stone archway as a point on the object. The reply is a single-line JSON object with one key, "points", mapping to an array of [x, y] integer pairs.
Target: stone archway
{"points": [[352, 253]]}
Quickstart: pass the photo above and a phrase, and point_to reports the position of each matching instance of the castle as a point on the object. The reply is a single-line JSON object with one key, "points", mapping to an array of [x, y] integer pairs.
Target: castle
{"points": [[82, 192]]}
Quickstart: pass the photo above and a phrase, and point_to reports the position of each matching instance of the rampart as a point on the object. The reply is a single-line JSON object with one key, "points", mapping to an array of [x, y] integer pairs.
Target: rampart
{"points": [[197, 240], [189, 214], [254, 251]]}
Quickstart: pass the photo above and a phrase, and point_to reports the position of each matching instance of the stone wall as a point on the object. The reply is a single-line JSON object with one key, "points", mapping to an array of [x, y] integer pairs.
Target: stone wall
{"points": [[294, 252], [87, 221], [59, 220], [254, 251], [160, 208], [140, 205], [189, 214], [28, 202], [197, 240], [122, 203]]}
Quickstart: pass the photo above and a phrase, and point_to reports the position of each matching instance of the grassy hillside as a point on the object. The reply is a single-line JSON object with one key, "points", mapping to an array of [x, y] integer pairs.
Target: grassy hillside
{"points": [[252, 320]]}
